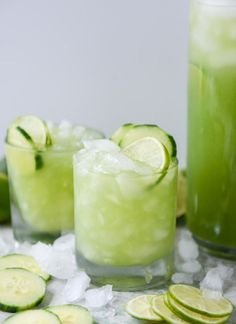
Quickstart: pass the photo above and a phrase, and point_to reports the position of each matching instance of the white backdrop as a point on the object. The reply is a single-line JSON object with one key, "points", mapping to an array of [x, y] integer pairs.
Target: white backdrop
{"points": [[95, 62]]}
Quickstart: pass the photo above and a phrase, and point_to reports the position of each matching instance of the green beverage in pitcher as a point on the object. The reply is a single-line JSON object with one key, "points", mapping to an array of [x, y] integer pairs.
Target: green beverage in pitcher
{"points": [[212, 125], [125, 208], [39, 161]]}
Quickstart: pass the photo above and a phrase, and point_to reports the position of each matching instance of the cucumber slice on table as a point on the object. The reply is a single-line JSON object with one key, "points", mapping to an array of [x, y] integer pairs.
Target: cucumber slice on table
{"points": [[22, 261], [27, 135], [72, 314], [139, 131], [36, 316], [121, 132], [20, 289]]}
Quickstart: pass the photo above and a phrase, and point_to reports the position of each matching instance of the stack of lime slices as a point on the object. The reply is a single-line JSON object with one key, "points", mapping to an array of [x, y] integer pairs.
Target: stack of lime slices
{"points": [[181, 304], [148, 144]]}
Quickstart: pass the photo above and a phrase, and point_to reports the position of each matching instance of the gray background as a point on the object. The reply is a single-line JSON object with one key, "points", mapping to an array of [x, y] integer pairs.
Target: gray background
{"points": [[95, 62]]}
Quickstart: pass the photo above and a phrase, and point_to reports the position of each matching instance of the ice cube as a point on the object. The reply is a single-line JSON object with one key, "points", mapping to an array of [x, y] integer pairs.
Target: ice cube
{"points": [[181, 277], [101, 145], [75, 287], [225, 272], [98, 297], [212, 281], [211, 294], [104, 312], [188, 249], [23, 248], [59, 263], [191, 266], [78, 131], [65, 242]]}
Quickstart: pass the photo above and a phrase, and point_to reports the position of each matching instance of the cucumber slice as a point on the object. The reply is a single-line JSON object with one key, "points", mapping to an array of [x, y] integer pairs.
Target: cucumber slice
{"points": [[4, 199], [27, 132], [118, 136], [22, 261], [36, 316], [72, 314], [140, 131], [20, 289]]}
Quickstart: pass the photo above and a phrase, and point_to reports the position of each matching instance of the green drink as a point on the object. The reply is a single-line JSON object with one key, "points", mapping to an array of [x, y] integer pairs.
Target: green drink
{"points": [[124, 217], [41, 176], [212, 125]]}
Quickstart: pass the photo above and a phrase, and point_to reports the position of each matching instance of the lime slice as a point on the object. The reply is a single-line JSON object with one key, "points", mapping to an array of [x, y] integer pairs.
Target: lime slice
{"points": [[181, 194], [140, 131], [121, 132], [149, 151], [159, 307], [193, 299], [4, 199], [27, 132], [192, 316], [141, 308]]}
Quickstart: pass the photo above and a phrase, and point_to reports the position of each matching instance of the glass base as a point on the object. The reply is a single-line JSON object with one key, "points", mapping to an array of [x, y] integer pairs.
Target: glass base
{"points": [[129, 278], [216, 250], [23, 232]]}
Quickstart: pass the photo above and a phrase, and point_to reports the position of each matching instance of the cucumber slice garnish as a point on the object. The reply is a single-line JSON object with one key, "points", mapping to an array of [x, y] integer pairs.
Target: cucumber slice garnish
{"points": [[27, 132], [141, 308], [140, 131], [26, 262], [192, 316], [27, 135], [39, 316], [118, 136], [150, 151], [4, 199], [192, 298], [20, 289], [72, 314]]}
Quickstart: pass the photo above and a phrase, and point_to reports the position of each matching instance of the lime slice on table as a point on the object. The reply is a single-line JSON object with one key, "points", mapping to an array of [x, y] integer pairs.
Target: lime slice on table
{"points": [[192, 316], [140, 307], [192, 298], [30, 134], [140, 131], [150, 151], [159, 307], [4, 199]]}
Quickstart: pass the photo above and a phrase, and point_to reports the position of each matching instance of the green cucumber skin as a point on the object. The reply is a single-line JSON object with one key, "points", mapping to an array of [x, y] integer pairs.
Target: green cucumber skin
{"points": [[171, 138], [38, 161], [25, 134], [118, 136], [12, 316], [16, 309]]}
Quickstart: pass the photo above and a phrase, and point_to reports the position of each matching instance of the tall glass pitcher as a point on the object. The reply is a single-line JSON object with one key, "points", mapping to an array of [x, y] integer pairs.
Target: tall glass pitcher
{"points": [[212, 125]]}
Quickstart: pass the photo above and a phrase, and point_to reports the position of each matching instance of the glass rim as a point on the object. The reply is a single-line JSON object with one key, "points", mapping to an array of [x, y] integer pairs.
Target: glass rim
{"points": [[47, 150], [129, 173]]}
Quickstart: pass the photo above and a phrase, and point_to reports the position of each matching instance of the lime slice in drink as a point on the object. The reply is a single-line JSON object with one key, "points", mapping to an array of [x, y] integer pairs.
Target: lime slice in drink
{"points": [[160, 307], [27, 132], [193, 299], [181, 193], [121, 132], [192, 316], [149, 151], [140, 131], [140, 307], [4, 199]]}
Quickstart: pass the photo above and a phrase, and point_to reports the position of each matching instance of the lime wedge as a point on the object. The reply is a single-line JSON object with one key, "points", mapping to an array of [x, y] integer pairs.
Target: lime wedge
{"points": [[149, 151], [4, 199], [140, 307], [192, 316], [181, 193], [193, 299], [27, 132], [121, 132], [159, 307]]}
